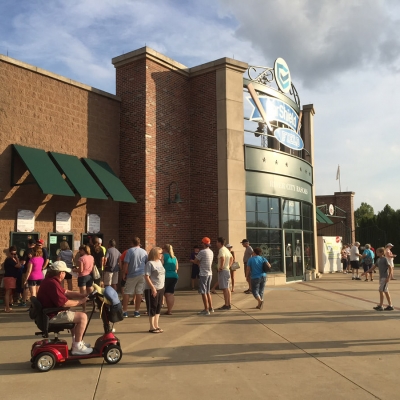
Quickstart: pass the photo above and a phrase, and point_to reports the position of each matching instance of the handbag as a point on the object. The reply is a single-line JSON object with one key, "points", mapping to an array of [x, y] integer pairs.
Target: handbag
{"points": [[96, 273], [235, 266]]}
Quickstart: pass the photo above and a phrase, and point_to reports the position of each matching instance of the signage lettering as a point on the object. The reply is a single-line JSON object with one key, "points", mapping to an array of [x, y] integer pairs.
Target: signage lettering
{"points": [[276, 110], [289, 138], [288, 186]]}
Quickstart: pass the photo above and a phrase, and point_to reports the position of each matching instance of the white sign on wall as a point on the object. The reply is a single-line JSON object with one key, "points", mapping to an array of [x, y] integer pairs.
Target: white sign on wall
{"points": [[25, 221], [63, 222], [93, 223]]}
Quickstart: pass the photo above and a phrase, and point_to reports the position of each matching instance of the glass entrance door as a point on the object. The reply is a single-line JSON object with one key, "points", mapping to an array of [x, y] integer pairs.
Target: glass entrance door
{"points": [[293, 256]]}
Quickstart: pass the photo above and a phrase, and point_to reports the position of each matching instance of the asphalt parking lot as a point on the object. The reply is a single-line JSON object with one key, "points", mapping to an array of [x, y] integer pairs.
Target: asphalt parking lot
{"points": [[311, 340]]}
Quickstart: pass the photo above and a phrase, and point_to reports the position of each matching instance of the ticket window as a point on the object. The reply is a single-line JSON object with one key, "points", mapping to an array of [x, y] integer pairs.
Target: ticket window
{"points": [[54, 243], [20, 240], [87, 236]]}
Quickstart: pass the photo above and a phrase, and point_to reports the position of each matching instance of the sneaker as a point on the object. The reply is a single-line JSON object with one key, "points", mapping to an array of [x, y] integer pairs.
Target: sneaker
{"points": [[211, 310], [247, 291], [21, 304], [80, 349], [224, 307], [136, 314], [389, 308], [125, 314], [345, 272], [204, 312], [353, 278], [378, 308], [358, 279]]}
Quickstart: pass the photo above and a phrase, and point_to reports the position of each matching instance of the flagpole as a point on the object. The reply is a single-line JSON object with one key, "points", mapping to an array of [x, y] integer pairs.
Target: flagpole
{"points": [[338, 178]]}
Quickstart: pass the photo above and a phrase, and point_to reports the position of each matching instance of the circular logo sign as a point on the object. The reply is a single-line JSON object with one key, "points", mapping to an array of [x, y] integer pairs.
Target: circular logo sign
{"points": [[282, 75], [338, 239], [331, 209]]}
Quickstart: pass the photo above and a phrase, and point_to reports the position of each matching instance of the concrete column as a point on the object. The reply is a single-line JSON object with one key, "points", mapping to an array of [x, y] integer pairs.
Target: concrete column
{"points": [[230, 142], [308, 137]]}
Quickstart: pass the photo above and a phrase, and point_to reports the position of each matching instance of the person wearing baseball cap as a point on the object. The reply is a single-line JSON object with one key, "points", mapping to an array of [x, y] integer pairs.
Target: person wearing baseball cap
{"points": [[204, 259], [390, 257], [247, 254], [52, 295], [40, 244]]}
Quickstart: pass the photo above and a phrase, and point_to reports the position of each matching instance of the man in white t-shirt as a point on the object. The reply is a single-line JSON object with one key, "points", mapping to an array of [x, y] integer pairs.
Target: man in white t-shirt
{"points": [[355, 261], [225, 260], [204, 259]]}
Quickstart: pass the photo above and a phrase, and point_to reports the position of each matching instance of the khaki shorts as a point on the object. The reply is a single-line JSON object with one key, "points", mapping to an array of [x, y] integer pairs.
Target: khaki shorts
{"points": [[63, 317], [224, 277], [383, 285], [134, 285], [110, 278]]}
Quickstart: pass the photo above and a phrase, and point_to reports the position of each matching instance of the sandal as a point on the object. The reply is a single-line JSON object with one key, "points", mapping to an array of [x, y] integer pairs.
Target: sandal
{"points": [[213, 292], [168, 313], [159, 330], [154, 330], [8, 311]]}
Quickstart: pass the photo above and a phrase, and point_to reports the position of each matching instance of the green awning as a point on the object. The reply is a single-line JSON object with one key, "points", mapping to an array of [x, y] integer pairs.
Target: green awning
{"points": [[79, 176], [322, 218], [111, 183], [43, 171]]}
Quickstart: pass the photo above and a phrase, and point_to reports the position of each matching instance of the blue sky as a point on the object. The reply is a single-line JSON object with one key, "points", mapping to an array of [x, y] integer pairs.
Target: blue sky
{"points": [[343, 57]]}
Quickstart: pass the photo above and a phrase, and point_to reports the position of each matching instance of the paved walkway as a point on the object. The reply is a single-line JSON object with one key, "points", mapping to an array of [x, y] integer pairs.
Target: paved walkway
{"points": [[312, 340]]}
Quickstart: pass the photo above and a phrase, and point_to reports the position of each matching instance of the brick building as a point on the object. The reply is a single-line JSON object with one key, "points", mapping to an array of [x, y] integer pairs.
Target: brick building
{"points": [[169, 130]]}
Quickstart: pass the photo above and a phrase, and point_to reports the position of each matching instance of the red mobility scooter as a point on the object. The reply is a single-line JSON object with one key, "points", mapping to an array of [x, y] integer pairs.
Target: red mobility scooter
{"points": [[46, 353]]}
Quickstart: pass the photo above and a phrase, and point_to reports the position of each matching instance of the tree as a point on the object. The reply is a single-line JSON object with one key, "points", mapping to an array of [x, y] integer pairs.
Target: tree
{"points": [[364, 212]]}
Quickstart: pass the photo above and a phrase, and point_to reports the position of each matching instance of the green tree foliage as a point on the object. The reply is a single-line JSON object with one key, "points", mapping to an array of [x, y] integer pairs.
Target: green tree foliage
{"points": [[378, 229], [365, 211]]}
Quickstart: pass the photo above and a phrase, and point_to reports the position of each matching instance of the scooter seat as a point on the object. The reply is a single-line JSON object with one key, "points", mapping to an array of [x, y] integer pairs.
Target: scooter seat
{"points": [[60, 327]]}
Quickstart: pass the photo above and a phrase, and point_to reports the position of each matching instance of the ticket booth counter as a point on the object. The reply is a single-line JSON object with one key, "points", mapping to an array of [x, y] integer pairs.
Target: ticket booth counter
{"points": [[54, 243], [20, 240]]}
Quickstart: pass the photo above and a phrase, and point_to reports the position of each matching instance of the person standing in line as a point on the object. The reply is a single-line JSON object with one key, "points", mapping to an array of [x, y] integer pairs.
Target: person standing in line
{"points": [[384, 277], [100, 240], [154, 276], [98, 255], [368, 261], [390, 257], [26, 257], [11, 267], [171, 267], [45, 253], [248, 252], [224, 262], [111, 262], [355, 261], [195, 267], [34, 271], [258, 276], [344, 259], [232, 271], [84, 270], [133, 272], [67, 256], [204, 259], [348, 248]]}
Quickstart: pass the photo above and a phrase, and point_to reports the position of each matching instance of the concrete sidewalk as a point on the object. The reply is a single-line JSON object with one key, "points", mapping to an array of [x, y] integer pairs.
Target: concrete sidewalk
{"points": [[312, 340]]}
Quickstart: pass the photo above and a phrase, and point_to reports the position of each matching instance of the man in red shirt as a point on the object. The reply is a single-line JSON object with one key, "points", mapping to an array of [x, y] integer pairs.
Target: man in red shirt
{"points": [[52, 295]]}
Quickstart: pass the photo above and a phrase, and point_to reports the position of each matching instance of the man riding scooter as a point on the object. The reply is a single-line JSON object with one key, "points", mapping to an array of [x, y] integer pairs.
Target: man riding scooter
{"points": [[52, 295]]}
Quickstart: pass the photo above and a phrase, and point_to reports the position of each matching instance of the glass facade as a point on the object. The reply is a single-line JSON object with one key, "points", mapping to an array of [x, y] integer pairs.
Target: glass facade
{"points": [[282, 228]]}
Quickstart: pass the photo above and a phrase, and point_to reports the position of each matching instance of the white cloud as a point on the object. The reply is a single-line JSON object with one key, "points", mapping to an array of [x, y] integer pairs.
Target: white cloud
{"points": [[343, 58]]}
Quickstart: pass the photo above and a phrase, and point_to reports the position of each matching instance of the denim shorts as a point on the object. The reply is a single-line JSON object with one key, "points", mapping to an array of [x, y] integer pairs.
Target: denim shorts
{"points": [[85, 281]]}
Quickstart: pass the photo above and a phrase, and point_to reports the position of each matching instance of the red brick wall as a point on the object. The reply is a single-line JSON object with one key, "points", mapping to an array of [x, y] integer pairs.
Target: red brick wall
{"points": [[39, 111], [204, 167], [343, 200], [168, 134]]}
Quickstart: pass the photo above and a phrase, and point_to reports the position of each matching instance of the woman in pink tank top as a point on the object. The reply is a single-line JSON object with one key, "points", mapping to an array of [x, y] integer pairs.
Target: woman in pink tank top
{"points": [[34, 272]]}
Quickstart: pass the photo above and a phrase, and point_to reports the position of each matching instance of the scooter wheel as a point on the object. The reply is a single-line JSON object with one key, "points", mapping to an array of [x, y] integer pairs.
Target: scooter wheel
{"points": [[45, 362], [112, 354]]}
